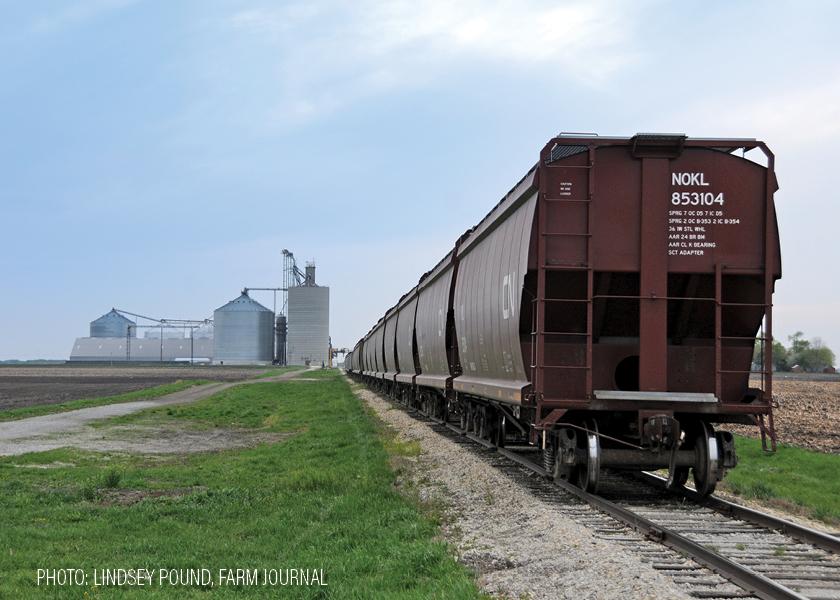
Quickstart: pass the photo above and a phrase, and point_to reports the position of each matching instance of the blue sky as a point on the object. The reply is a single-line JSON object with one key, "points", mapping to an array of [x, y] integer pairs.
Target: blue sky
{"points": [[157, 156]]}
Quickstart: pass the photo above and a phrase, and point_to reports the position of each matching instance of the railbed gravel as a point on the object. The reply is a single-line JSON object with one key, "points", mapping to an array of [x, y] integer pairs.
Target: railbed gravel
{"points": [[518, 545]]}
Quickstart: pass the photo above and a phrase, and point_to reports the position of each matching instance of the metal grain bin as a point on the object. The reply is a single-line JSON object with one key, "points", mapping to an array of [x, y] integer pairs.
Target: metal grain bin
{"points": [[112, 325], [243, 332]]}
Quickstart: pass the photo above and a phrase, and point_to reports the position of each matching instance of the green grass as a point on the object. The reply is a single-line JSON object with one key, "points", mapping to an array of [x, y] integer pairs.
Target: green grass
{"points": [[323, 498], [14, 414], [803, 481], [274, 371]]}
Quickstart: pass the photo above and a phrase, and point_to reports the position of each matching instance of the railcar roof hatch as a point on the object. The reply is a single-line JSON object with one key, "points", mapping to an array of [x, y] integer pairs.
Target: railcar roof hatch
{"points": [[657, 145]]}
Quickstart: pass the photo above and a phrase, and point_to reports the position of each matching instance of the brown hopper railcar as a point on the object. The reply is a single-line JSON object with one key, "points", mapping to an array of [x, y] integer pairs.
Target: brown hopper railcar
{"points": [[606, 310]]}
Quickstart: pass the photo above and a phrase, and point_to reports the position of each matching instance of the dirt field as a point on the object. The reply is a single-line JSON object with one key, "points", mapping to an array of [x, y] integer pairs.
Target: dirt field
{"points": [[808, 415], [31, 386]]}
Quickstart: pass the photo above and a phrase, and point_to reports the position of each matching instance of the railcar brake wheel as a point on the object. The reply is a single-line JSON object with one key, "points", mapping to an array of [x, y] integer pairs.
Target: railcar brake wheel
{"points": [[706, 460], [588, 473]]}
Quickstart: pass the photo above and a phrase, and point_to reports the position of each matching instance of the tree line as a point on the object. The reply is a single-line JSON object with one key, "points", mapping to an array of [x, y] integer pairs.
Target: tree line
{"points": [[809, 355]]}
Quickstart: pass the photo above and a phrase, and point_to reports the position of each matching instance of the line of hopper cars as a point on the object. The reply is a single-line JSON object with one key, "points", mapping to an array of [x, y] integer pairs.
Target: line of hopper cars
{"points": [[604, 312]]}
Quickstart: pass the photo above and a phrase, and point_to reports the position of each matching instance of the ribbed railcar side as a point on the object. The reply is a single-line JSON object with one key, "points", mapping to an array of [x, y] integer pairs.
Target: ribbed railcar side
{"points": [[493, 262], [389, 343], [405, 340], [433, 307]]}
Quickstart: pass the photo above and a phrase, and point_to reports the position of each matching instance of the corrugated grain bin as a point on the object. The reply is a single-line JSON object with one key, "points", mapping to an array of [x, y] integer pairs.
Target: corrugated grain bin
{"points": [[243, 332], [112, 325]]}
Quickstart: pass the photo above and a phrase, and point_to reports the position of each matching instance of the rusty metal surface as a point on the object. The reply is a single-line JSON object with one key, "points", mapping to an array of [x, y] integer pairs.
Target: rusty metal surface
{"points": [[433, 304], [406, 312], [488, 298]]}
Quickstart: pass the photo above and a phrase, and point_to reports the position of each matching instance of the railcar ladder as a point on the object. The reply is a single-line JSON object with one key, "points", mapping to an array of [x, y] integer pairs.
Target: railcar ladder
{"points": [[539, 365], [720, 371]]}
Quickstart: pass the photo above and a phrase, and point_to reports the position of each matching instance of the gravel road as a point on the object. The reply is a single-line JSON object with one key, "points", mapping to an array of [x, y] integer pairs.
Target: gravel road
{"points": [[520, 546]]}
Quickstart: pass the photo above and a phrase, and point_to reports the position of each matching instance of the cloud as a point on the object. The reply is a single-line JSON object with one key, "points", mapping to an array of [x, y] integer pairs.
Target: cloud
{"points": [[795, 116], [326, 55], [75, 14]]}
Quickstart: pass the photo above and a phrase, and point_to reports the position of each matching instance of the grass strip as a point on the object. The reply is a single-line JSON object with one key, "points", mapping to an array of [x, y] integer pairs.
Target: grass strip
{"points": [[793, 479], [274, 371], [24, 412], [322, 498]]}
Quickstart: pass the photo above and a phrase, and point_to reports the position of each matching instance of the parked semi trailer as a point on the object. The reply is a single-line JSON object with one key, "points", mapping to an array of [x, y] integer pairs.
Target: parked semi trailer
{"points": [[605, 311]]}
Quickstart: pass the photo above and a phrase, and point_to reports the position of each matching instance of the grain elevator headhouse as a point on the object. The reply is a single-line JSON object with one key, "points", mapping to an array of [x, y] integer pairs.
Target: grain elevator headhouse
{"points": [[308, 341]]}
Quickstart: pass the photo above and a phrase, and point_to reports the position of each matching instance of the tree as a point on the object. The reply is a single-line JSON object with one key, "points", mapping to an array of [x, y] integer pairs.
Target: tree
{"points": [[811, 355], [781, 357], [816, 356], [798, 343]]}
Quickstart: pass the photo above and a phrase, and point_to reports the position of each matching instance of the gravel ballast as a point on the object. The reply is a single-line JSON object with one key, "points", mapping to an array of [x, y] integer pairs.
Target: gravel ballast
{"points": [[518, 545]]}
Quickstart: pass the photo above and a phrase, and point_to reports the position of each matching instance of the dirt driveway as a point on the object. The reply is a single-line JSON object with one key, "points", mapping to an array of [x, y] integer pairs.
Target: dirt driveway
{"points": [[72, 428], [36, 385]]}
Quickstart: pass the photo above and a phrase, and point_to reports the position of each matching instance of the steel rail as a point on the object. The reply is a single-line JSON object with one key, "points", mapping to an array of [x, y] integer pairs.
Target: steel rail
{"points": [[744, 577], [814, 537]]}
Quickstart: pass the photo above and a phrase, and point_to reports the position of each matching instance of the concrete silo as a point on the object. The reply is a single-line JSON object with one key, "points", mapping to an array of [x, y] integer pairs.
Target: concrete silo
{"points": [[243, 332], [112, 325]]}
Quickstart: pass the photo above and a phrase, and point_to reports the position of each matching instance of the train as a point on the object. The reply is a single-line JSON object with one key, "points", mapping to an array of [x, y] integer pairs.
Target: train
{"points": [[612, 311]]}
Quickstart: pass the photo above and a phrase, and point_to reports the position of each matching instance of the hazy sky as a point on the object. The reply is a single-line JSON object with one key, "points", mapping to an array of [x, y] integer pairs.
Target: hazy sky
{"points": [[157, 156]]}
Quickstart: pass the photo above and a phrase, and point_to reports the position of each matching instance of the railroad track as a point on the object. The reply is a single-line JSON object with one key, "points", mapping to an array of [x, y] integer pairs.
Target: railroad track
{"points": [[710, 547]]}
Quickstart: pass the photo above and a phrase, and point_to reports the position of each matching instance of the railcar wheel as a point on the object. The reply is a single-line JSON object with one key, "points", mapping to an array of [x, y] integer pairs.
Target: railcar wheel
{"points": [[566, 442], [462, 413], [588, 473], [500, 433], [563, 472], [706, 460], [480, 428], [679, 478], [491, 425]]}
